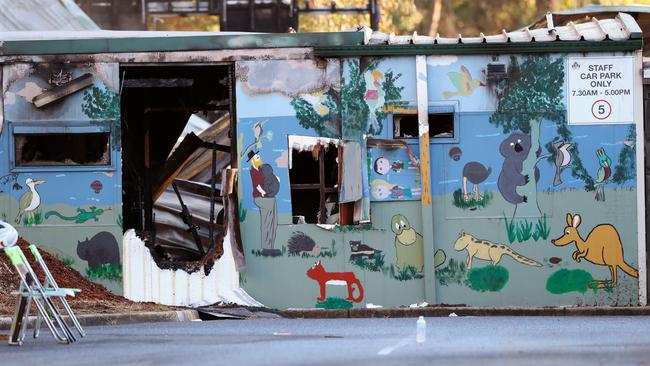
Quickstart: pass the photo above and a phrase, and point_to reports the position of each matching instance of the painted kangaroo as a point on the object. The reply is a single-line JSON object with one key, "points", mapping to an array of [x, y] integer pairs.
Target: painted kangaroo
{"points": [[488, 251], [602, 246], [82, 215]]}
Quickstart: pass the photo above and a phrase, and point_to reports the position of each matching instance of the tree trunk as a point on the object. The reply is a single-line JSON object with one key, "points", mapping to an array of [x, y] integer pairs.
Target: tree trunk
{"points": [[530, 208], [547, 5], [435, 17]]}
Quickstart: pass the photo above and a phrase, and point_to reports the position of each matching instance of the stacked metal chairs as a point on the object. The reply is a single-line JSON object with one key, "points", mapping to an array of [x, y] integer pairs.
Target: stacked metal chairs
{"points": [[41, 295]]}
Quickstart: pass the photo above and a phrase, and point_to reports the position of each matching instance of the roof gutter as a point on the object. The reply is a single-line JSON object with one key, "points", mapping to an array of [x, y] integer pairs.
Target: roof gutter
{"points": [[177, 43], [479, 48]]}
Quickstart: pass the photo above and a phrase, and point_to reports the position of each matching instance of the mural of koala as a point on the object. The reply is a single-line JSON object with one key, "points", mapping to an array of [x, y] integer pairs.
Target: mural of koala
{"points": [[102, 248], [515, 149]]}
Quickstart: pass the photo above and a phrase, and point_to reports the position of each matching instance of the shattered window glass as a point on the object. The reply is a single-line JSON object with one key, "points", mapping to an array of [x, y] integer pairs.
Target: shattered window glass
{"points": [[441, 125], [62, 149]]}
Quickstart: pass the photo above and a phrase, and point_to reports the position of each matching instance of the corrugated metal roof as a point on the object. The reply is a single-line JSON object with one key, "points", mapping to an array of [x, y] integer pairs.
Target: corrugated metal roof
{"points": [[622, 27], [40, 15], [620, 33]]}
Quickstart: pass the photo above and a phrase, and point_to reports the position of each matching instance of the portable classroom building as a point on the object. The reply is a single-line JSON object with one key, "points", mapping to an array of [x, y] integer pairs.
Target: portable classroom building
{"points": [[490, 171]]}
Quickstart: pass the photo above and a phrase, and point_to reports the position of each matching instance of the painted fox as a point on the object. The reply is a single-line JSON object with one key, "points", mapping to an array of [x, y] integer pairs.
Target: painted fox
{"points": [[317, 272], [488, 251]]}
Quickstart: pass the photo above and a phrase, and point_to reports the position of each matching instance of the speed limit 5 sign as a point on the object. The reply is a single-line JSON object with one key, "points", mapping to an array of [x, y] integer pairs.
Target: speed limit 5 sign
{"points": [[600, 89]]}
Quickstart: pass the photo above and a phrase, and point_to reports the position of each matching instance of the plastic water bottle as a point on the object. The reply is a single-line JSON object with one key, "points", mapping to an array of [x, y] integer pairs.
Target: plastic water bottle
{"points": [[421, 330]]}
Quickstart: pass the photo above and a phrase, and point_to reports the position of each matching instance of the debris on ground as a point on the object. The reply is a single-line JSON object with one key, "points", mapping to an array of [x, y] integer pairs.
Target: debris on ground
{"points": [[234, 311], [93, 298]]}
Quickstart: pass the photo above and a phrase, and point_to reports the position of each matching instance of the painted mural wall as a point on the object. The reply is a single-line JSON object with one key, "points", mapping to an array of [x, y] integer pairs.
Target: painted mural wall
{"points": [[522, 200], [60, 178]]}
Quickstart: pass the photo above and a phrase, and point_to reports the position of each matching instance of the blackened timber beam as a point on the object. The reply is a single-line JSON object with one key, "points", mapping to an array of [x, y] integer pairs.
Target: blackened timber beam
{"points": [[63, 90]]}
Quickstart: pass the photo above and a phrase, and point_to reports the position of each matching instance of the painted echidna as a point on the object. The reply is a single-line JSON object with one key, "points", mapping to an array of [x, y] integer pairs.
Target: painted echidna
{"points": [[300, 242]]}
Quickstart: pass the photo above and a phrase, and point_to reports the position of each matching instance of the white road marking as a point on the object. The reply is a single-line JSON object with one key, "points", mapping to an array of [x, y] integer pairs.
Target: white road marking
{"points": [[388, 350]]}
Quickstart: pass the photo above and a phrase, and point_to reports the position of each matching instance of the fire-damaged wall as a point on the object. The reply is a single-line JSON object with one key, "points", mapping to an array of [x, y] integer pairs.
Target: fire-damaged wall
{"points": [[60, 171], [525, 194]]}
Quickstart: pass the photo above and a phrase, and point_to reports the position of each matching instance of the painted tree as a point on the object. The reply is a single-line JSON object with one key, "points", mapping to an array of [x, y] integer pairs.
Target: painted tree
{"points": [[102, 105], [532, 92], [626, 167], [327, 121], [361, 116]]}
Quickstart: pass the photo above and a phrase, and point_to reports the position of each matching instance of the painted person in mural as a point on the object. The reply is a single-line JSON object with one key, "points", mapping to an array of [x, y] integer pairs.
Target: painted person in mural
{"points": [[265, 186]]}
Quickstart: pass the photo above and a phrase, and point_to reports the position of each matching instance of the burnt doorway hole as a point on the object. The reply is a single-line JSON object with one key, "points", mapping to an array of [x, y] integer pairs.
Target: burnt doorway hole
{"points": [[174, 119]]}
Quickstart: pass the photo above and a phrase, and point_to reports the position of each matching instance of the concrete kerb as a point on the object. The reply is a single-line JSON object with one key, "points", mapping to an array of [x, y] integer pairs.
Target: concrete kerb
{"points": [[465, 311], [121, 318]]}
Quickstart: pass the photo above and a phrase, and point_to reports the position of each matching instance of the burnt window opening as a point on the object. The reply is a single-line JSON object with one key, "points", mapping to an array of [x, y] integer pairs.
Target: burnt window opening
{"points": [[172, 116], [441, 125], [62, 149], [405, 126], [314, 180]]}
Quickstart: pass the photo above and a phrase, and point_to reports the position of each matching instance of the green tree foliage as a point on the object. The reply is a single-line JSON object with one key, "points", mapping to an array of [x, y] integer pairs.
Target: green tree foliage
{"points": [[351, 103], [353, 89], [327, 125], [531, 92], [626, 167], [102, 105]]}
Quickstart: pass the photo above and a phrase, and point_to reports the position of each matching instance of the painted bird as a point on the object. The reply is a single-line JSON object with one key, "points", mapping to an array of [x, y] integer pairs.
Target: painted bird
{"points": [[603, 173], [562, 159], [463, 83], [257, 137], [30, 200]]}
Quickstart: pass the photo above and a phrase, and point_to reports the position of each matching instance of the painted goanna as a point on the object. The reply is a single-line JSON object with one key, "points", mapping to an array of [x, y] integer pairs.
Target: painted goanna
{"points": [[82, 216]]}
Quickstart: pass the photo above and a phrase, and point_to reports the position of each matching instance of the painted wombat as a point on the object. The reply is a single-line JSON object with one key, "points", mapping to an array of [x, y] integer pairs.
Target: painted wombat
{"points": [[100, 249]]}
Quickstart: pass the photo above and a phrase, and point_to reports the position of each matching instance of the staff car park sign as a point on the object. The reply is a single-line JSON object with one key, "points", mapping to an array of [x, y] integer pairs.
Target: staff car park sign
{"points": [[600, 90]]}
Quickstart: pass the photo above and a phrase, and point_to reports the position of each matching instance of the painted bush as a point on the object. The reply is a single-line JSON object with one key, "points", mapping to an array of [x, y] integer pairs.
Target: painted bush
{"points": [[490, 278], [569, 280]]}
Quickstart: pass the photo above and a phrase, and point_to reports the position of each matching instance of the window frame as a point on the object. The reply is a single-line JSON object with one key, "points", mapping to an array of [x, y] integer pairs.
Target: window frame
{"points": [[433, 108], [24, 129], [320, 186]]}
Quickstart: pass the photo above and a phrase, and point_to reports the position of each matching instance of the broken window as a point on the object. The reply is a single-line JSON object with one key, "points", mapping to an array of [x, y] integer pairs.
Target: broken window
{"points": [[314, 178], [62, 149], [441, 125]]}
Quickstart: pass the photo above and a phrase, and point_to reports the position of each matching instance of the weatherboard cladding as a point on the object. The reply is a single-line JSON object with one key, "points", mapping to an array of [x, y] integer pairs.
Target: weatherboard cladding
{"points": [[621, 33]]}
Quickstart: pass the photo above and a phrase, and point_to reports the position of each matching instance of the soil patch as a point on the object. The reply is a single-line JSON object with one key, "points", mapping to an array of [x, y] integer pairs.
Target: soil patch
{"points": [[93, 298]]}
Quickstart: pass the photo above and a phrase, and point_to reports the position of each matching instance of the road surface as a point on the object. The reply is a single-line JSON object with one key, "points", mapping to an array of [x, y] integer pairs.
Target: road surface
{"points": [[476, 341]]}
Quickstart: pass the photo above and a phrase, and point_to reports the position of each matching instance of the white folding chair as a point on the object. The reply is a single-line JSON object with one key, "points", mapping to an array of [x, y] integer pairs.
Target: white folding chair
{"points": [[50, 285]]}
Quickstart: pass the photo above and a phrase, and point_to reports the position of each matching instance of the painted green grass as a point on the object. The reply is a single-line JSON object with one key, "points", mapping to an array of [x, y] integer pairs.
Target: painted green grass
{"points": [[65, 260], [33, 219], [522, 230], [488, 279], [569, 280], [242, 213], [111, 272], [375, 264], [334, 303], [471, 203], [354, 228], [542, 230], [454, 272], [405, 274]]}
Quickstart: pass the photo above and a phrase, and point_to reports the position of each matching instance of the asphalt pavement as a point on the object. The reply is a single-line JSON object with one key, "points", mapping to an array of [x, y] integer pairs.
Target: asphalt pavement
{"points": [[476, 341]]}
